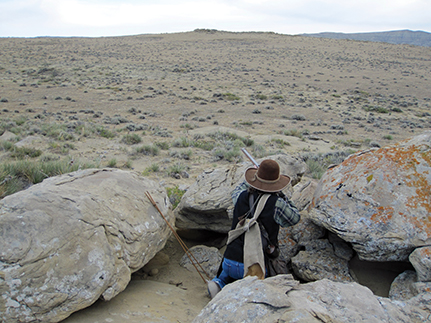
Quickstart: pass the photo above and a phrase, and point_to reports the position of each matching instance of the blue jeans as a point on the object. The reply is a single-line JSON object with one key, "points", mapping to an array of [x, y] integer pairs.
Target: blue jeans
{"points": [[232, 270]]}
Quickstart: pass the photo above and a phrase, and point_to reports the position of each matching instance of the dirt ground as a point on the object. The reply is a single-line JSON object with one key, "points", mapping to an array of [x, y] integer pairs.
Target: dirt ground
{"points": [[290, 94]]}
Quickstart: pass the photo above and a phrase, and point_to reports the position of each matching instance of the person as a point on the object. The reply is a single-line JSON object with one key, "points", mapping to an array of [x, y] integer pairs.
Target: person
{"points": [[266, 182]]}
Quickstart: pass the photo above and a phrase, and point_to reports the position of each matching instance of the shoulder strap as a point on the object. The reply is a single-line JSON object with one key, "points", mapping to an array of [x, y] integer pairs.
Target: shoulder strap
{"points": [[244, 226]]}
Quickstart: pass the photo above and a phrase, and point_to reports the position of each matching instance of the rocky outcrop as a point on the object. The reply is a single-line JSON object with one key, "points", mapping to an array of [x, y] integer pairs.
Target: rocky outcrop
{"points": [[319, 261], [378, 200], [421, 260], [75, 238], [207, 204], [282, 299]]}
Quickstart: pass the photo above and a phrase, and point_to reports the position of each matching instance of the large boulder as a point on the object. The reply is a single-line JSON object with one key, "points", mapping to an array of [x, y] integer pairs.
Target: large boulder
{"points": [[379, 200], [207, 204], [75, 238], [282, 299]]}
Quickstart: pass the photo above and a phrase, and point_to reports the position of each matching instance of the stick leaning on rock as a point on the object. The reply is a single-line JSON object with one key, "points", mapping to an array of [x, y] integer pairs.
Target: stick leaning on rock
{"points": [[183, 245]]}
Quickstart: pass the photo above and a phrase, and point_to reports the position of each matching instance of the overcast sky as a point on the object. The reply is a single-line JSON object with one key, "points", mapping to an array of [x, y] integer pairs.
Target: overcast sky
{"points": [[30, 18]]}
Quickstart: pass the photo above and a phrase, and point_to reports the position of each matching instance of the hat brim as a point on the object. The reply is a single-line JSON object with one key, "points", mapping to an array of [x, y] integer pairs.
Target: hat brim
{"points": [[250, 177]]}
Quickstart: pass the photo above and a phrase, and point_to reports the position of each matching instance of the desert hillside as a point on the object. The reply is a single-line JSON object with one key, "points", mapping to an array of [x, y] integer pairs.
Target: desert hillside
{"points": [[170, 103], [407, 37]]}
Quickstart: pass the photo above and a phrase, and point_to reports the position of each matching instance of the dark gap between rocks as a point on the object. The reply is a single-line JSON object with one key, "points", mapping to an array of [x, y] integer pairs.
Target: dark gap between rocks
{"points": [[377, 276]]}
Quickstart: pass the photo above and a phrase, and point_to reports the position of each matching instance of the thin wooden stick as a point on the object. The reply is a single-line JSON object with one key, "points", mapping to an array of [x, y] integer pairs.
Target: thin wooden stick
{"points": [[183, 245]]}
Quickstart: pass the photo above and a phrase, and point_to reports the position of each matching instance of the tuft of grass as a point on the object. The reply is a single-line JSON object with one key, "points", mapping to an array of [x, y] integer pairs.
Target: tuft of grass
{"points": [[177, 168], [319, 163], [148, 150], [293, 133], [153, 168], [388, 137], [230, 97], [19, 175], [182, 142], [105, 133], [163, 145], [175, 194], [24, 152], [112, 163], [377, 109]]}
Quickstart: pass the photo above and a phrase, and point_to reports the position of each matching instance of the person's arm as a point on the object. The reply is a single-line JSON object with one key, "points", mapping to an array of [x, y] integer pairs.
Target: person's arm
{"points": [[286, 214]]}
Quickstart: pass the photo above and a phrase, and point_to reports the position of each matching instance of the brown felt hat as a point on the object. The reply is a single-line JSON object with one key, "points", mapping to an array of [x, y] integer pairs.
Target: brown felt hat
{"points": [[267, 177]]}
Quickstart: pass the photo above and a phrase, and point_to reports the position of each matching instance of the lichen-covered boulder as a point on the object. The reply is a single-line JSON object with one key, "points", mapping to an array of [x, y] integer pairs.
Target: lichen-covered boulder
{"points": [[75, 238], [379, 200], [207, 204]]}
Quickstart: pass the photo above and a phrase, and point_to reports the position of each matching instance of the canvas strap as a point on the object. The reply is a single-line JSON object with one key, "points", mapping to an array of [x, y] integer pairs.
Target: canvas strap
{"points": [[253, 250]]}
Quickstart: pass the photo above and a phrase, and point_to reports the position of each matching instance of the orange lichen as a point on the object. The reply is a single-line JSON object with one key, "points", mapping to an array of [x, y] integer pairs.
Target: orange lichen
{"points": [[384, 214]]}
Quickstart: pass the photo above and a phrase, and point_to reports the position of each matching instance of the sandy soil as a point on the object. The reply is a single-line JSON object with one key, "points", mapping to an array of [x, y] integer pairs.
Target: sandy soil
{"points": [[331, 92]]}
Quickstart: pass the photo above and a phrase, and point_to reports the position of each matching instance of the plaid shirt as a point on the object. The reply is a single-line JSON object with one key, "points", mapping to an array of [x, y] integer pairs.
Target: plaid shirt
{"points": [[285, 214]]}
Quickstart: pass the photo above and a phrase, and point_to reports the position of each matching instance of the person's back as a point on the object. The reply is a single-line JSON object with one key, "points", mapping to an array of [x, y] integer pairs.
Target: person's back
{"points": [[277, 211]]}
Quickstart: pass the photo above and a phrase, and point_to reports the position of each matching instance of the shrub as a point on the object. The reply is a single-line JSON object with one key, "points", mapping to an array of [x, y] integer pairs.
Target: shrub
{"points": [[149, 150], [318, 163], [175, 194], [230, 97], [177, 168], [131, 139], [163, 145], [25, 152], [182, 142], [293, 133], [112, 163], [105, 133]]}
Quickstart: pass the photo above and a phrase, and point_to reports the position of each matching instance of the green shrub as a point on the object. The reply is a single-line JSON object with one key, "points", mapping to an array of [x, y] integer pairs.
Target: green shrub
{"points": [[293, 133], [153, 168], [149, 150], [230, 97], [177, 168], [205, 145], [112, 163], [25, 152], [131, 139], [175, 195], [105, 133], [182, 142], [163, 145], [319, 163]]}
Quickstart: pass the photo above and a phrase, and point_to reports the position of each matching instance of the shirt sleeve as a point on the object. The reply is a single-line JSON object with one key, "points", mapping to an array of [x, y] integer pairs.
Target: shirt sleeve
{"points": [[238, 190], [286, 214]]}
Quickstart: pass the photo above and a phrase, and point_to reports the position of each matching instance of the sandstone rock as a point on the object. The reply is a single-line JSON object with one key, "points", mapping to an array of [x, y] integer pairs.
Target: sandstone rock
{"points": [[421, 260], [249, 300], [75, 238], [282, 299], [303, 193], [291, 239], [207, 204], [319, 261], [378, 200], [209, 259], [402, 288]]}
